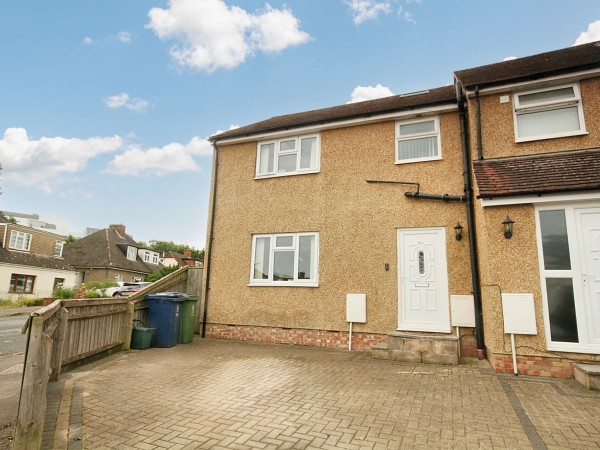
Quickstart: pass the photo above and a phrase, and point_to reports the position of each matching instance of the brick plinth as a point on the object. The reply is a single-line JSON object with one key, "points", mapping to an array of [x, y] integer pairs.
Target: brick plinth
{"points": [[468, 346], [295, 336], [535, 366]]}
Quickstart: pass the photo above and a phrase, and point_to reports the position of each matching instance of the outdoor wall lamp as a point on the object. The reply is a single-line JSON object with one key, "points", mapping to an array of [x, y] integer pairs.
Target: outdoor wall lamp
{"points": [[508, 227], [458, 232]]}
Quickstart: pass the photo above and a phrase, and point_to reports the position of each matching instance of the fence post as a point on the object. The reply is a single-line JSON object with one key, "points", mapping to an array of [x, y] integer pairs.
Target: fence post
{"points": [[59, 344], [194, 287], [128, 326], [32, 404]]}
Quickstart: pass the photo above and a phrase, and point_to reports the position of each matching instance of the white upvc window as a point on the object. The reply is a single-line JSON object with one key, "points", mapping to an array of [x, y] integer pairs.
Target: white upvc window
{"points": [[131, 253], [147, 256], [154, 258], [20, 241], [418, 140], [290, 259], [548, 113], [58, 248], [119, 278], [288, 156]]}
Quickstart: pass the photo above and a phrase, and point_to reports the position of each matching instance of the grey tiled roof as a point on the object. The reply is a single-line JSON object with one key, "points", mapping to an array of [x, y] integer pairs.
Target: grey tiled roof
{"points": [[539, 174], [571, 59], [442, 95], [27, 259], [105, 248]]}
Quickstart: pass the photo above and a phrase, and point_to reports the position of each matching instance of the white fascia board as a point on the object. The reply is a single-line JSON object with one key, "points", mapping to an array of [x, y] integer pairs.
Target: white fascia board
{"points": [[295, 131], [540, 83], [546, 198]]}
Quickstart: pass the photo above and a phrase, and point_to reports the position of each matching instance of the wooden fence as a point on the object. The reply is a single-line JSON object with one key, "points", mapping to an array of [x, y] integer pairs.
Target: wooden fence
{"points": [[68, 331]]}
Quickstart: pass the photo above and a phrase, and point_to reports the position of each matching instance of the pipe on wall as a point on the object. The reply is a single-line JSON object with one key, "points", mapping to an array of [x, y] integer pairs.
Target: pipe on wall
{"points": [[207, 263], [471, 222]]}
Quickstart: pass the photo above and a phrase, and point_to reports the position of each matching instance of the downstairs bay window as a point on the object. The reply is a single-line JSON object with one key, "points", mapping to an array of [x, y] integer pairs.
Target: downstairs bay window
{"points": [[289, 259]]}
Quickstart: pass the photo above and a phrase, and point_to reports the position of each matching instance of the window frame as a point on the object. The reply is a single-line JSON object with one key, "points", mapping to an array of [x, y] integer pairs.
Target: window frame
{"points": [[14, 278], [132, 253], [548, 106], [26, 239], [58, 245], [575, 273], [437, 133], [296, 282], [297, 150]]}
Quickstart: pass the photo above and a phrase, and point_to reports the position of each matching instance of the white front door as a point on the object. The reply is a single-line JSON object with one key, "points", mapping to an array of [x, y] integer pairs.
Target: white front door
{"points": [[588, 221], [569, 240], [422, 280]]}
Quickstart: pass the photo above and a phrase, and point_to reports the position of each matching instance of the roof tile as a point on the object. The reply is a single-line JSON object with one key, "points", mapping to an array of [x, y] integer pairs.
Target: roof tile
{"points": [[539, 174]]}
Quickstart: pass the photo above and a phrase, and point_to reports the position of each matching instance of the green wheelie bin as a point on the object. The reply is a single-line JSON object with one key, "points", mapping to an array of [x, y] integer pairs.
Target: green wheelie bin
{"points": [[186, 319]]}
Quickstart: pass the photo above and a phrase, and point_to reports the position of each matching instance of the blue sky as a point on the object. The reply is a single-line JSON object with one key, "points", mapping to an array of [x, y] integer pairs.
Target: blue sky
{"points": [[106, 104]]}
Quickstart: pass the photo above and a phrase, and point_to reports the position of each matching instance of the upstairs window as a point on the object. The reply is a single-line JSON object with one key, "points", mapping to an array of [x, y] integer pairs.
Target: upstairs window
{"points": [[288, 156], [146, 256], [418, 140], [58, 248], [154, 258], [289, 259], [548, 113], [20, 241], [131, 253]]}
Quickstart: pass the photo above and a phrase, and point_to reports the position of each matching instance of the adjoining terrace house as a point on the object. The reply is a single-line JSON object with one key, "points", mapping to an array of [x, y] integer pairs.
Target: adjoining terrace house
{"points": [[111, 254], [31, 262], [470, 205]]}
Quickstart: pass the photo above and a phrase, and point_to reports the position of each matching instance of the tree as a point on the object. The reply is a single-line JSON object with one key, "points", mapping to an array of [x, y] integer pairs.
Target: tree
{"points": [[70, 239], [170, 246], [155, 276]]}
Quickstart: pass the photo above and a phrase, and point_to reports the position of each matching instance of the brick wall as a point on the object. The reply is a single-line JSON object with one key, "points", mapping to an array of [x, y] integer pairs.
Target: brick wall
{"points": [[536, 366], [313, 338], [468, 346]]}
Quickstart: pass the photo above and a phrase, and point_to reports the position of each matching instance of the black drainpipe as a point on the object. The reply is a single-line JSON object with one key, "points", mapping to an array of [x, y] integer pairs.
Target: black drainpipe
{"points": [[207, 264], [471, 223], [478, 122]]}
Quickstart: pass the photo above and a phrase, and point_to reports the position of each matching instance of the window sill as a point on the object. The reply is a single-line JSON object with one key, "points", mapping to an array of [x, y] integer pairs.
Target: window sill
{"points": [[287, 174], [417, 160], [551, 136], [285, 284], [573, 348]]}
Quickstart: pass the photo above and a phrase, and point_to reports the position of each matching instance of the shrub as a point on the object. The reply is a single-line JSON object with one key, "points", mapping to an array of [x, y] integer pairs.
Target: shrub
{"points": [[92, 294], [101, 286], [62, 292], [31, 301]]}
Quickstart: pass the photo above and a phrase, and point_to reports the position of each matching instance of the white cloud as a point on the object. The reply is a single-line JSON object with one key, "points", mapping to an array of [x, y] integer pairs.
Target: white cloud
{"points": [[590, 35], [124, 36], [363, 10], [213, 35], [509, 58], [167, 160], [42, 162], [362, 93], [88, 40], [406, 16], [122, 100]]}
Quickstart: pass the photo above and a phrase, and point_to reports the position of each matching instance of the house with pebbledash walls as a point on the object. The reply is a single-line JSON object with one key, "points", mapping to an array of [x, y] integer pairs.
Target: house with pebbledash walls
{"points": [[448, 215]]}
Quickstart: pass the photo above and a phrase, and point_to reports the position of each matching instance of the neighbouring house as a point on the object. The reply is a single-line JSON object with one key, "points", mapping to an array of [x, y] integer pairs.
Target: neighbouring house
{"points": [[31, 262], [180, 260], [111, 254], [467, 216]]}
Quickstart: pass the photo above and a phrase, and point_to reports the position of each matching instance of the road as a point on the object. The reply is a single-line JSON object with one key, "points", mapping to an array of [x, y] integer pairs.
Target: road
{"points": [[12, 348], [11, 339]]}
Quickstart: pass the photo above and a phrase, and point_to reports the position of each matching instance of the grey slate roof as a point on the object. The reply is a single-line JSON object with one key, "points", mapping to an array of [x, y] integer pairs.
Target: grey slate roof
{"points": [[539, 174], [571, 59], [442, 95], [105, 248], [28, 259]]}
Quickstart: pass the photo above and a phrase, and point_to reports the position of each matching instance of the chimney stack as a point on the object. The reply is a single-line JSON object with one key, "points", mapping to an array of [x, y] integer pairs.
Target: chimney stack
{"points": [[187, 253], [119, 228]]}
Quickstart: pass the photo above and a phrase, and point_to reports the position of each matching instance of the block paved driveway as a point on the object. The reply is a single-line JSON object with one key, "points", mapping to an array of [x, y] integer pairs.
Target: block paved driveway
{"points": [[236, 395]]}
